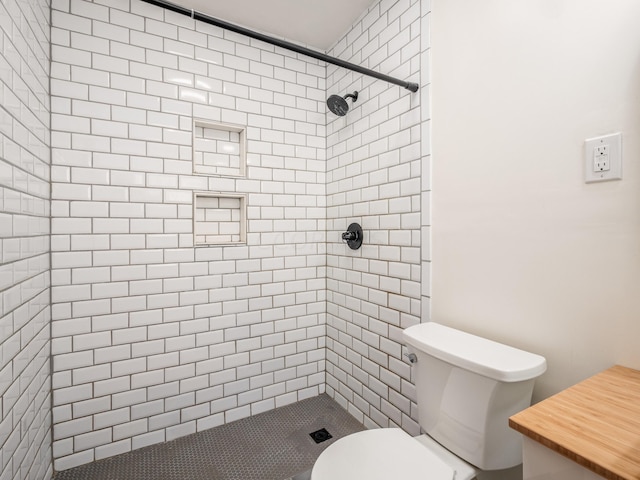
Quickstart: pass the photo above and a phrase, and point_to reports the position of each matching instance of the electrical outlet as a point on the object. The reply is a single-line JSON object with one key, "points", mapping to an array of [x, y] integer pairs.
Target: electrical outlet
{"points": [[603, 158]]}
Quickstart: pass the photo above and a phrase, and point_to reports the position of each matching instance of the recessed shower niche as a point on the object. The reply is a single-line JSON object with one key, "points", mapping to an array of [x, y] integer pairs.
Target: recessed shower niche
{"points": [[219, 149], [219, 219]]}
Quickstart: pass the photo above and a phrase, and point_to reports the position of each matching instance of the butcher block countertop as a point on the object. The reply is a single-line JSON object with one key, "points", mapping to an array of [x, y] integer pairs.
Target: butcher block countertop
{"points": [[595, 423]]}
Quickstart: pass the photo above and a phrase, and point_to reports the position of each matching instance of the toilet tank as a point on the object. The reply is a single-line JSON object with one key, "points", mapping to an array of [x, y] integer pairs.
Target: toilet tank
{"points": [[467, 387]]}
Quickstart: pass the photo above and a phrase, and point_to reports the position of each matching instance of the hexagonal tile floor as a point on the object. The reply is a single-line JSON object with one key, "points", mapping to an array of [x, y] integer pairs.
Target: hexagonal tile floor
{"points": [[274, 445]]}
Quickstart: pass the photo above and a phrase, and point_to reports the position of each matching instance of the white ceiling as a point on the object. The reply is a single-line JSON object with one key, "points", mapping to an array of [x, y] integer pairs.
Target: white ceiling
{"points": [[316, 23]]}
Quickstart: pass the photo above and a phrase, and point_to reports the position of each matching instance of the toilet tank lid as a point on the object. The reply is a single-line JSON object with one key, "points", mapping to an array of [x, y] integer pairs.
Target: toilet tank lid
{"points": [[479, 355]]}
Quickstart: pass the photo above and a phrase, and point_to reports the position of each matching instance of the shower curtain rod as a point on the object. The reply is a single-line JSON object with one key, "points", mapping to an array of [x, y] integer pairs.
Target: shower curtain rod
{"points": [[281, 43]]}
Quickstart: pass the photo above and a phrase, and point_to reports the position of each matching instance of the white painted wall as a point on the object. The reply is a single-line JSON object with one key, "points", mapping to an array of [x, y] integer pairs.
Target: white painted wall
{"points": [[523, 250]]}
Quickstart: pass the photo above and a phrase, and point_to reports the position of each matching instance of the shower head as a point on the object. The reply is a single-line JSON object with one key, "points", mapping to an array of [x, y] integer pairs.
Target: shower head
{"points": [[339, 105]]}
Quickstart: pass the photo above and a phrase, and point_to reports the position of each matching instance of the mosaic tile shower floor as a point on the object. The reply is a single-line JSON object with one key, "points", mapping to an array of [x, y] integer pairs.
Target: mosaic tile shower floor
{"points": [[274, 445]]}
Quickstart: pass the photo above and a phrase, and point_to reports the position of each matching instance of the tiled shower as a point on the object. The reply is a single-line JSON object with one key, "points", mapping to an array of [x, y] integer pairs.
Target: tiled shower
{"points": [[154, 334]]}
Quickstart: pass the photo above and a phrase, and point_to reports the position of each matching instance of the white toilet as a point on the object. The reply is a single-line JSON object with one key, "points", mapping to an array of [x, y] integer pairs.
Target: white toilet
{"points": [[467, 387]]}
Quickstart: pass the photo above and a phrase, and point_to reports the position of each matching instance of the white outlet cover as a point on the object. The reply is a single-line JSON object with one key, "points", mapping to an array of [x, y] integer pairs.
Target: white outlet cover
{"points": [[614, 142]]}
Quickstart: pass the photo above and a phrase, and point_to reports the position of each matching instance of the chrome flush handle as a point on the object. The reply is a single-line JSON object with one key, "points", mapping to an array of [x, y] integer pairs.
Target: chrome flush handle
{"points": [[411, 357]]}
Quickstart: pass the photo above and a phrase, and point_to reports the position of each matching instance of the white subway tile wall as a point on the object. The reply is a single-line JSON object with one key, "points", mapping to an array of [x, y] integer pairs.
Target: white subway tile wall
{"points": [[25, 312], [378, 175], [154, 339]]}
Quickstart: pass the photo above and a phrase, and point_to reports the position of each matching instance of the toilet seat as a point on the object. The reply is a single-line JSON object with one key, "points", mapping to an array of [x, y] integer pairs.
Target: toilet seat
{"points": [[380, 454]]}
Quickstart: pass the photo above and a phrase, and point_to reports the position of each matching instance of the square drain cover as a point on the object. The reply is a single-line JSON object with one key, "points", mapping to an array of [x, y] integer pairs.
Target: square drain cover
{"points": [[321, 435]]}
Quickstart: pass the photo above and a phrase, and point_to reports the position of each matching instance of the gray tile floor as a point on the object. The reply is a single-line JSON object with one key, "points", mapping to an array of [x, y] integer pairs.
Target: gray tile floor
{"points": [[274, 445]]}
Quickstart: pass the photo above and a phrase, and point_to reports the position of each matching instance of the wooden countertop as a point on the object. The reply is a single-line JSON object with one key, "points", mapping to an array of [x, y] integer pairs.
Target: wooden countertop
{"points": [[595, 423]]}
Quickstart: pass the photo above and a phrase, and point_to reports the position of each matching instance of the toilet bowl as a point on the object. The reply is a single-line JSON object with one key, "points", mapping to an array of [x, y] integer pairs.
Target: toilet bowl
{"points": [[466, 387], [389, 453]]}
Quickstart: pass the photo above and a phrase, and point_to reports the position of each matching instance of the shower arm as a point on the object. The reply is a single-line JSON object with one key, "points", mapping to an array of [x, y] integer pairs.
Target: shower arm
{"points": [[281, 43]]}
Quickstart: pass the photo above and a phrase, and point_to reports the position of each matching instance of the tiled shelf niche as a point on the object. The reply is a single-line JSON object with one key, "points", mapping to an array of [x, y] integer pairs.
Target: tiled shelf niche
{"points": [[219, 219], [219, 149]]}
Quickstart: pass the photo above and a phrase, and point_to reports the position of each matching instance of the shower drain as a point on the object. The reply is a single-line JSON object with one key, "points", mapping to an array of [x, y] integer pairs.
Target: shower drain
{"points": [[320, 436]]}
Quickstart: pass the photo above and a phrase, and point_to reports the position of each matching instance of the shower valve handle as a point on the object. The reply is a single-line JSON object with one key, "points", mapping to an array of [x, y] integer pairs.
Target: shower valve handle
{"points": [[353, 236], [349, 236]]}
